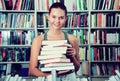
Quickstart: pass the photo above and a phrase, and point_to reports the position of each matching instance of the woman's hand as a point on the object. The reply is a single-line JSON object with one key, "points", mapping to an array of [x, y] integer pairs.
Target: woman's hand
{"points": [[71, 52]]}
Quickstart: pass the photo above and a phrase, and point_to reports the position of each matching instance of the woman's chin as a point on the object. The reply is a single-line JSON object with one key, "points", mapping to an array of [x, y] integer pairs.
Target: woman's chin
{"points": [[56, 27]]}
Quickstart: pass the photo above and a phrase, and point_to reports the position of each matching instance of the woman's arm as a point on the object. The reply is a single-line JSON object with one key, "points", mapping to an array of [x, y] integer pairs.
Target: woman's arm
{"points": [[73, 52], [35, 52]]}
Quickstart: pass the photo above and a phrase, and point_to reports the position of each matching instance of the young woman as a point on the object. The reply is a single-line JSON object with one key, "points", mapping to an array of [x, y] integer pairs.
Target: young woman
{"points": [[57, 17]]}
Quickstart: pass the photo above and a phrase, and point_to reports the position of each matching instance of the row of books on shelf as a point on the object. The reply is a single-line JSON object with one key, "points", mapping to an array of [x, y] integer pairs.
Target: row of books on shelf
{"points": [[16, 20], [82, 35], [16, 4], [21, 70], [13, 69], [74, 20], [16, 37], [47, 78], [105, 19], [115, 77], [71, 5], [82, 4], [77, 20], [14, 54], [29, 78], [105, 4], [105, 37], [105, 53], [104, 69]]}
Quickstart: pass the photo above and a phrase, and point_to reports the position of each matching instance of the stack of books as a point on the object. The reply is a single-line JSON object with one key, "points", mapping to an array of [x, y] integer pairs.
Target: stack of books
{"points": [[53, 56]]}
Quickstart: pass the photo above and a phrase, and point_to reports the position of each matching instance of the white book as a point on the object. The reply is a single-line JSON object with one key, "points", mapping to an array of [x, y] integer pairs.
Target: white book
{"points": [[58, 64], [47, 48], [53, 42], [84, 79], [39, 79], [49, 77], [54, 60], [69, 4], [8, 69], [25, 79], [7, 78], [53, 52], [16, 77], [57, 68], [117, 78], [43, 57], [11, 78], [57, 45], [117, 73], [43, 79], [112, 78], [19, 78]]}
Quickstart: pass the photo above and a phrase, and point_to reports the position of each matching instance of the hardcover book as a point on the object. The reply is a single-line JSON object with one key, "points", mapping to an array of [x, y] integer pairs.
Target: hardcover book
{"points": [[51, 56], [54, 60], [57, 68]]}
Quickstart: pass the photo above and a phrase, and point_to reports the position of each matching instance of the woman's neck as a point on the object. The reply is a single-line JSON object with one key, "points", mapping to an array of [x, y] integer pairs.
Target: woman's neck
{"points": [[55, 32], [55, 35]]}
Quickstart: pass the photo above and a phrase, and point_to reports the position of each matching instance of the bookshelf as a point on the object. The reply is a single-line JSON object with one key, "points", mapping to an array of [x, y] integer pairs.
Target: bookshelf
{"points": [[104, 30], [96, 23], [17, 30]]}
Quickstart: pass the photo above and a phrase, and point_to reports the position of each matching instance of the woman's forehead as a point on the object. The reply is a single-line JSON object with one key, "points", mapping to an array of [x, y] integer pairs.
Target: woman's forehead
{"points": [[57, 11]]}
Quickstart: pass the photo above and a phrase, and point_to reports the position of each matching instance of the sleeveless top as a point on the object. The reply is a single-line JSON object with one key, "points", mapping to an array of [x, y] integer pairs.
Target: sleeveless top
{"points": [[65, 35]]}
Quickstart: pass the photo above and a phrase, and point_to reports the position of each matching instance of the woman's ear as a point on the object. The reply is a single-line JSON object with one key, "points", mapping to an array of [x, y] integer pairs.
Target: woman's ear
{"points": [[48, 16], [65, 18]]}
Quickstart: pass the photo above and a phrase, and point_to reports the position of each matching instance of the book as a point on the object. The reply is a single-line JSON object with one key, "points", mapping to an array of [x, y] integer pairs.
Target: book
{"points": [[58, 64], [16, 77], [47, 48], [44, 69], [53, 52], [11, 78], [50, 77], [117, 73], [19, 78], [7, 77], [58, 45], [54, 60], [117, 78], [53, 42], [50, 56], [54, 47]]}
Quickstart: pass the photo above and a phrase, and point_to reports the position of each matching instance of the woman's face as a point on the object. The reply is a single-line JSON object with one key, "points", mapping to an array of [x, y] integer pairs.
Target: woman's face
{"points": [[57, 18]]}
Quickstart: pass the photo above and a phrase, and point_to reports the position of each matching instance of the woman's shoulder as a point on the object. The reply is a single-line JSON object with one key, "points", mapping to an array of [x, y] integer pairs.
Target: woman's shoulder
{"points": [[38, 38], [72, 37]]}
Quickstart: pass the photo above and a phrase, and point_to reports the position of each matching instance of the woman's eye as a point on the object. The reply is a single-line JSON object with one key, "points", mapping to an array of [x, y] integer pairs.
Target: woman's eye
{"points": [[53, 16], [61, 17]]}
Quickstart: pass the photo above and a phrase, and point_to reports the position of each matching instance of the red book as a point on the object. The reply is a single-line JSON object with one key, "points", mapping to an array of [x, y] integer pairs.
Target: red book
{"points": [[99, 18], [0, 38], [95, 54]]}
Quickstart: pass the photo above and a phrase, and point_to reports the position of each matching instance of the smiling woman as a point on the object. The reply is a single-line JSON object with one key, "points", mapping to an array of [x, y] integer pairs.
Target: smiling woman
{"points": [[57, 17]]}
